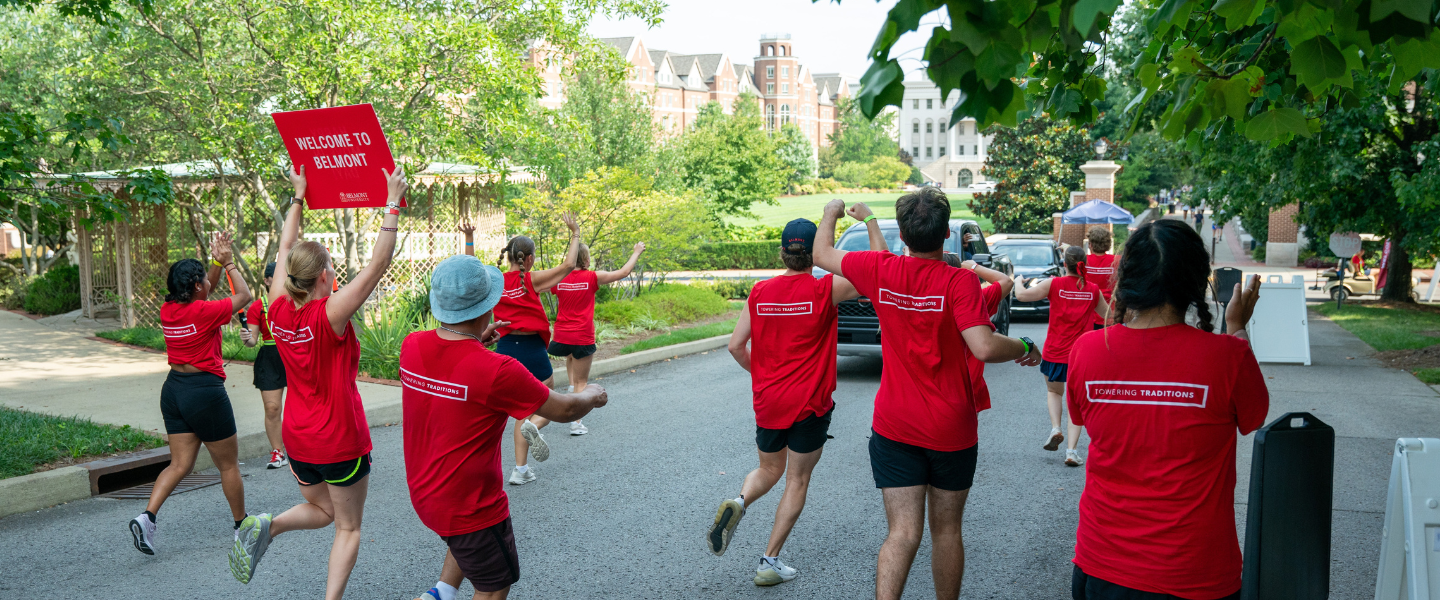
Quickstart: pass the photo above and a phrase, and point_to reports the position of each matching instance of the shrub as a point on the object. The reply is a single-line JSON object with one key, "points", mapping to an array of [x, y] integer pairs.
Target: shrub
{"points": [[55, 292], [735, 255], [727, 288], [886, 172], [386, 326], [852, 174], [1258, 254], [665, 304]]}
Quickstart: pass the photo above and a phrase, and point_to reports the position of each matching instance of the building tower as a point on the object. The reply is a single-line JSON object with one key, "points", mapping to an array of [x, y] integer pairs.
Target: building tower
{"points": [[777, 76]]}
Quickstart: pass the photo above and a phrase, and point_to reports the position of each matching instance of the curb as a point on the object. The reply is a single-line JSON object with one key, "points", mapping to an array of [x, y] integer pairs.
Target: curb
{"points": [[629, 361], [41, 490]]}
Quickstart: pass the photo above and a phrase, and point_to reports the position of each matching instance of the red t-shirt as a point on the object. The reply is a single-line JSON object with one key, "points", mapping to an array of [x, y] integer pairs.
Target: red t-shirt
{"points": [[1071, 305], [1100, 268], [792, 349], [457, 398], [1162, 407], [324, 421], [258, 315], [575, 314], [990, 296], [192, 333], [520, 305], [926, 398]]}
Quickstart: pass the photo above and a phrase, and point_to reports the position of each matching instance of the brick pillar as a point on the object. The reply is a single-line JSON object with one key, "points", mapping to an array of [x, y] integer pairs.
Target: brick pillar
{"points": [[1281, 247], [1100, 179], [1056, 229]]}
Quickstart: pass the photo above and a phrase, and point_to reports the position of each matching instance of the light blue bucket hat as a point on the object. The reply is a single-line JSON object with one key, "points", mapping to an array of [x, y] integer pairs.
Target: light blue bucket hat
{"points": [[463, 288]]}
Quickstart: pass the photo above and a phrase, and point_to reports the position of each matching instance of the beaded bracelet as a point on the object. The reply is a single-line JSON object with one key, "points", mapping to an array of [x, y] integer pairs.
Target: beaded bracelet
{"points": [[389, 228]]}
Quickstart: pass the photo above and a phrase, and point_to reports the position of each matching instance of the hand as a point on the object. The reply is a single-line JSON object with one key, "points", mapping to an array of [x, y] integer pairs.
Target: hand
{"points": [[1242, 305], [491, 333], [467, 229], [639, 247], [1019, 282], [971, 237], [859, 211], [569, 220], [220, 249], [835, 208], [968, 264], [297, 181], [247, 337], [1030, 359], [395, 184], [597, 395]]}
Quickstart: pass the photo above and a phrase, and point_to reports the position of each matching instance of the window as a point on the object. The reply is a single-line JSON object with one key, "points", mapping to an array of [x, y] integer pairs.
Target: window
{"points": [[915, 104], [769, 116], [639, 74], [782, 51], [664, 77], [977, 150], [929, 127], [966, 178], [929, 103], [784, 114], [929, 151], [915, 151], [962, 149], [784, 72], [769, 72], [942, 151], [769, 51], [915, 126], [962, 129], [784, 88], [942, 124], [769, 88]]}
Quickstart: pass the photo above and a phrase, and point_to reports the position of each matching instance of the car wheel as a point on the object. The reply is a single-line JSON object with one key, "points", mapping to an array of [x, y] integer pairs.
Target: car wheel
{"points": [[1339, 293]]}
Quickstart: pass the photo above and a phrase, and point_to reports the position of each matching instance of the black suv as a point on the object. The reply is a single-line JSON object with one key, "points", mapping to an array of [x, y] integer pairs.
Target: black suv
{"points": [[860, 328], [1035, 260]]}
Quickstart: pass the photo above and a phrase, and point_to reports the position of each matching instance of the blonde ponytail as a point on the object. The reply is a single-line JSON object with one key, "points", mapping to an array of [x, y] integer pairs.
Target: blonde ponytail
{"points": [[303, 267]]}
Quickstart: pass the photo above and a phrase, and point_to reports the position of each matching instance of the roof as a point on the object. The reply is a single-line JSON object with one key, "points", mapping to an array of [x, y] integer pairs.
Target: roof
{"points": [[709, 64], [684, 64], [621, 43]]}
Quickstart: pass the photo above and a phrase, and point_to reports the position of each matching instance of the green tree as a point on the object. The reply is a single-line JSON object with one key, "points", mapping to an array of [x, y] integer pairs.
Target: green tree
{"points": [[886, 172], [729, 159], [1153, 164], [1035, 166], [601, 124], [860, 139], [797, 153]]}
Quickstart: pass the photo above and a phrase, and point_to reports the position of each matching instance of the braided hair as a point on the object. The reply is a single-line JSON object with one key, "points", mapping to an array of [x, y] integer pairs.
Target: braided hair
{"points": [[1165, 262], [1075, 261], [184, 274], [516, 251]]}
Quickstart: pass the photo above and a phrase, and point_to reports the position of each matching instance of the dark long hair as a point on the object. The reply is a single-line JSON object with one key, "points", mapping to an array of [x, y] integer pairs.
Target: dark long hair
{"points": [[1075, 261], [184, 274], [1165, 262], [516, 250]]}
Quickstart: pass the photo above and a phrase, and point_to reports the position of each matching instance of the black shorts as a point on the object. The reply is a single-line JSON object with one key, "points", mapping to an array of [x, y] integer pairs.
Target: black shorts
{"points": [[805, 436], [487, 557], [1054, 371], [197, 403], [1085, 587], [339, 474], [1099, 326], [529, 350], [897, 464], [559, 349], [269, 369]]}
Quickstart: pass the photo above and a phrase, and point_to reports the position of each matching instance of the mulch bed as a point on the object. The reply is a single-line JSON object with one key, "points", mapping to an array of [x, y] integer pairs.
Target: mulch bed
{"points": [[1424, 358]]}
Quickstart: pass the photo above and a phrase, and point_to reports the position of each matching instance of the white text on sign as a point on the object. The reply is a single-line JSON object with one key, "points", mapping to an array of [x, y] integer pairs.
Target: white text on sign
{"points": [[336, 141]]}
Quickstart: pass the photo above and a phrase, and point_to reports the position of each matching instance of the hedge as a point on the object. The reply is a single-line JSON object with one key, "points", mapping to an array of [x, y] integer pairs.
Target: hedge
{"points": [[668, 303], [735, 255], [55, 292]]}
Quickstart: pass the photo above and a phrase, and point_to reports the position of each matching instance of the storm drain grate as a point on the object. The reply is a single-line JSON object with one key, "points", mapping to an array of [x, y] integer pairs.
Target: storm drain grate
{"points": [[141, 492]]}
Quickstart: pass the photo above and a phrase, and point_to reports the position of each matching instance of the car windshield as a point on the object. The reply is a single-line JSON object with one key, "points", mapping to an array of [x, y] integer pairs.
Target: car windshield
{"points": [[856, 238], [1027, 255]]}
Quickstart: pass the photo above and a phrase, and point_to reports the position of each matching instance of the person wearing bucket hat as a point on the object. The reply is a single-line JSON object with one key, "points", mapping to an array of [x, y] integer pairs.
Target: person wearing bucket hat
{"points": [[790, 324], [269, 369], [456, 398]]}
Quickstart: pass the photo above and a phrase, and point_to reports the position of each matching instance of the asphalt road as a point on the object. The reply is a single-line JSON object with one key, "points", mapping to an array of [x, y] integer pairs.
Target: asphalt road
{"points": [[621, 512]]}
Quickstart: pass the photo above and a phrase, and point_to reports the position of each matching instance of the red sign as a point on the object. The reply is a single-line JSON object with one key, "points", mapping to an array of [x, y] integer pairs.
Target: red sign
{"points": [[1384, 268], [343, 150]]}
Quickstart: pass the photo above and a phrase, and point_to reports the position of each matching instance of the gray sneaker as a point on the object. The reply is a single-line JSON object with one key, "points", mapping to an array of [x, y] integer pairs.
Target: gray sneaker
{"points": [[539, 450], [251, 541], [143, 530], [727, 518]]}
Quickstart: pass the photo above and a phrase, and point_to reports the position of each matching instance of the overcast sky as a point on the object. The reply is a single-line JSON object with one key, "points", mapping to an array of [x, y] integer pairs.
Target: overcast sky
{"points": [[827, 37]]}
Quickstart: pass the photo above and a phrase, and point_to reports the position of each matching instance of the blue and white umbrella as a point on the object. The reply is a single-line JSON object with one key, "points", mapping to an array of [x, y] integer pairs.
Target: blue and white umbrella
{"points": [[1097, 212]]}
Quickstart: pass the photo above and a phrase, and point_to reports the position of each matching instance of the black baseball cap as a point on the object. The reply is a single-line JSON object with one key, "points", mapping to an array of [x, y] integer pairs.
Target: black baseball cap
{"points": [[799, 231]]}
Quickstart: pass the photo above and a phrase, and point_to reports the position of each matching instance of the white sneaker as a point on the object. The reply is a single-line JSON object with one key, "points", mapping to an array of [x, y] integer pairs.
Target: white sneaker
{"points": [[771, 573], [518, 478], [1072, 459], [727, 518], [277, 460], [1055, 438], [578, 428], [143, 530], [539, 450]]}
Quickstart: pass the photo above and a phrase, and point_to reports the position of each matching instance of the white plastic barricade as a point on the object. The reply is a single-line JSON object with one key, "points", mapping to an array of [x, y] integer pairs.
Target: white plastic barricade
{"points": [[1410, 544], [1279, 329], [1434, 276]]}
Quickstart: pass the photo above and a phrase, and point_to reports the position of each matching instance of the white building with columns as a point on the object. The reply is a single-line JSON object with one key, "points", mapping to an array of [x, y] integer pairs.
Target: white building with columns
{"points": [[951, 154]]}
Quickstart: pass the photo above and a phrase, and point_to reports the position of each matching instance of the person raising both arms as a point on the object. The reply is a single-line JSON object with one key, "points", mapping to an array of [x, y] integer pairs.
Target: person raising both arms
{"points": [[1074, 304], [193, 401], [324, 427], [790, 325], [269, 370], [923, 446], [997, 287], [575, 318], [1100, 265], [1163, 402]]}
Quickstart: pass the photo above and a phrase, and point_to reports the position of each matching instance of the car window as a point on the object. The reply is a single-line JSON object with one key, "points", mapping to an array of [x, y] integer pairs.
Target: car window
{"points": [[1027, 255], [856, 238], [978, 247]]}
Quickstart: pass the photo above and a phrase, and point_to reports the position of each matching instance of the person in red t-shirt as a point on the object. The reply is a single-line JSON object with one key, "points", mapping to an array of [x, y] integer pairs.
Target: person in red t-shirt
{"points": [[1100, 265], [997, 287], [457, 396], [790, 325], [923, 444], [575, 318], [1163, 402], [193, 401], [1074, 304], [324, 427], [269, 371]]}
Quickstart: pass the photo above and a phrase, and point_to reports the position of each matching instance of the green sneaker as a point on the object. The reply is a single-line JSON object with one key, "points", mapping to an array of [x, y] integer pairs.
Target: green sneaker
{"points": [[727, 518], [251, 541]]}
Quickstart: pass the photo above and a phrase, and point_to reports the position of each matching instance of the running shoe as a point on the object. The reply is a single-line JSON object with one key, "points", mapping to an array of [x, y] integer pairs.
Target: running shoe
{"points": [[518, 478], [430, 594], [1072, 459], [772, 573], [539, 450], [250, 546], [277, 460], [578, 428], [1055, 438], [727, 518], [143, 530]]}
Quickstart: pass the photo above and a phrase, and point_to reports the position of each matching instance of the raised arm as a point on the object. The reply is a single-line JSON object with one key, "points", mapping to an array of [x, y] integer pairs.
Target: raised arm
{"points": [[606, 277], [860, 212], [738, 338], [992, 276], [346, 302], [544, 280], [220, 248], [1241, 308], [826, 255], [1030, 294], [842, 290], [566, 408], [469, 231], [290, 232]]}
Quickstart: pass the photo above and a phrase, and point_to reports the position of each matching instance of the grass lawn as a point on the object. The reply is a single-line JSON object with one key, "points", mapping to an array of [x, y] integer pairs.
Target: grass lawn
{"points": [[1430, 376], [1387, 328], [28, 440], [231, 348], [809, 207], [680, 336]]}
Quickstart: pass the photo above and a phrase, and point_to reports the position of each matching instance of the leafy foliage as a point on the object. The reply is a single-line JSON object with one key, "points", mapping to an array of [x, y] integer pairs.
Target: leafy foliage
{"points": [[859, 139], [55, 292], [730, 160], [602, 124], [796, 153], [762, 254], [1153, 164], [667, 303], [882, 172], [1035, 166]]}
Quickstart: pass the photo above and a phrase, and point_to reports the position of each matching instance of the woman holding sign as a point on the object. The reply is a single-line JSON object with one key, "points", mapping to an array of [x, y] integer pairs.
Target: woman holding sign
{"points": [[324, 427]]}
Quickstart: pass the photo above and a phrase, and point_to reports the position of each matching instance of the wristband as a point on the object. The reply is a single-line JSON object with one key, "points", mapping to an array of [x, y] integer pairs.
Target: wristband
{"points": [[469, 243], [869, 219], [216, 263], [295, 201], [392, 210], [389, 228], [1029, 345]]}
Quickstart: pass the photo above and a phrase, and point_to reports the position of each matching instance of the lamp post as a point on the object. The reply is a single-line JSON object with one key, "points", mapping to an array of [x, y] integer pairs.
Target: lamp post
{"points": [[1100, 147]]}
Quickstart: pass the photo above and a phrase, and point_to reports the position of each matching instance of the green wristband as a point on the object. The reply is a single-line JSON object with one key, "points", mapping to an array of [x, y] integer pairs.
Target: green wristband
{"points": [[869, 219]]}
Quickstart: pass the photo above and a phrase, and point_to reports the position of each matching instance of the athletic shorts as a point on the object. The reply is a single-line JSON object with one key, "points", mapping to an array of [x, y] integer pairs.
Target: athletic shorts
{"points": [[897, 464], [1054, 371], [530, 351], [269, 370], [339, 474], [805, 436], [1099, 326], [487, 557], [1085, 587], [197, 403], [559, 349]]}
